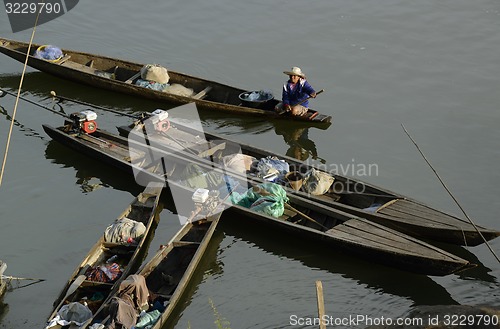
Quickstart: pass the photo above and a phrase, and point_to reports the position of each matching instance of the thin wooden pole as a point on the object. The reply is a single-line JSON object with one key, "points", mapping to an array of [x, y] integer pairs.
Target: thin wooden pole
{"points": [[8, 277], [18, 95], [321, 304], [451, 194]]}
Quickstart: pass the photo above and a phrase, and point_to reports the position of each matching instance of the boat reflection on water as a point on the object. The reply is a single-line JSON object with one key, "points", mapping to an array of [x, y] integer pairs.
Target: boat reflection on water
{"points": [[480, 272], [28, 132], [301, 147], [90, 174], [420, 289], [4, 308]]}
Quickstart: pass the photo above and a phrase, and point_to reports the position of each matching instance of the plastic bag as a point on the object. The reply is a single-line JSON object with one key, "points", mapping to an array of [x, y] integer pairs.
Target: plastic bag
{"points": [[270, 164], [49, 53], [317, 182], [155, 72], [238, 162], [267, 198], [179, 90]]}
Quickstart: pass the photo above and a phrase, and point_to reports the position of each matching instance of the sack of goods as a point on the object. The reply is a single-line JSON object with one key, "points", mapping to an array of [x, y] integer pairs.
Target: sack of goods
{"points": [[238, 162], [180, 90], [155, 72], [317, 182], [123, 229]]}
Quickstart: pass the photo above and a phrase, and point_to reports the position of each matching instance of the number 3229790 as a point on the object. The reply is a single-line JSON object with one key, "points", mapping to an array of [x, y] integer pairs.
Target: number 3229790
{"points": [[461, 320], [32, 8]]}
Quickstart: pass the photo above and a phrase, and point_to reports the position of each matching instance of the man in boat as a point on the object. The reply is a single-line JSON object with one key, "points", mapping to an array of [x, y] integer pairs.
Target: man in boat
{"points": [[296, 92]]}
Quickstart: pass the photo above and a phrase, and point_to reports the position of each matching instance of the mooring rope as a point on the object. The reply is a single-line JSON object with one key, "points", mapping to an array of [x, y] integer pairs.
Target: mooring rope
{"points": [[451, 194], [19, 94]]}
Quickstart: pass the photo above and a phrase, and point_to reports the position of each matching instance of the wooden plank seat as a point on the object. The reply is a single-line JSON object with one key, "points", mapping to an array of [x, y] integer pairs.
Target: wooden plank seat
{"points": [[79, 67], [207, 149], [63, 59]]}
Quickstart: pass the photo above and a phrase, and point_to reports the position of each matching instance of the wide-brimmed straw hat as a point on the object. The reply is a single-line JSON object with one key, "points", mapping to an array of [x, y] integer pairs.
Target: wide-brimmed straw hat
{"points": [[295, 71]]}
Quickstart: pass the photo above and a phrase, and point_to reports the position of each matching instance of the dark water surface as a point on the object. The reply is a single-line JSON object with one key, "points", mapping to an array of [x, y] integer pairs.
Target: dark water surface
{"points": [[433, 66]]}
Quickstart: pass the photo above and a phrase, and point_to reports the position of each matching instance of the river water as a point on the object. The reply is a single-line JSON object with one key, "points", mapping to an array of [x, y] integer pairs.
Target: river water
{"points": [[430, 65]]}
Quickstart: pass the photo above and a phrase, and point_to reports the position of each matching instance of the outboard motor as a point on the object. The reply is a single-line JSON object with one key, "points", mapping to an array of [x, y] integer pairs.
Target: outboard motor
{"points": [[84, 121], [158, 121]]}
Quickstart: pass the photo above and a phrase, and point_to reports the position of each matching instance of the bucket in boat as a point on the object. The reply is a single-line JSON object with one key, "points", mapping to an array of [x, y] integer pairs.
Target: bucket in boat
{"points": [[295, 179], [255, 99]]}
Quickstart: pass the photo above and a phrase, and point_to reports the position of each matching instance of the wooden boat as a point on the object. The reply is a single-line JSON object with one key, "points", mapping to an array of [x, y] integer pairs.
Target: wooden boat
{"points": [[303, 217], [169, 272], [83, 286], [346, 194], [3, 283], [120, 76]]}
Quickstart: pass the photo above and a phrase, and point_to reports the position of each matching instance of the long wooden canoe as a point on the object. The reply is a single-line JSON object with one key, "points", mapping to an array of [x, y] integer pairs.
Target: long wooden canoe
{"points": [[82, 287], [120, 76], [346, 194], [304, 218], [169, 272]]}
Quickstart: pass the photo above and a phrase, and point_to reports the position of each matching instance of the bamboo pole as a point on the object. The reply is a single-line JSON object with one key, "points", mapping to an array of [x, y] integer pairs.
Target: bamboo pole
{"points": [[451, 195], [321, 304], [18, 95]]}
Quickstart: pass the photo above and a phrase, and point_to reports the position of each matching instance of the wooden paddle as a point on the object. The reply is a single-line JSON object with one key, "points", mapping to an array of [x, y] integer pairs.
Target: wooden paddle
{"points": [[302, 101], [305, 216], [263, 192]]}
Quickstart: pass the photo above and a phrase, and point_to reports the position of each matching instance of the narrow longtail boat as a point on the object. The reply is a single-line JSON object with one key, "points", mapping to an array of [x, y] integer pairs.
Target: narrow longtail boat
{"points": [[121, 76], [169, 272], [296, 214], [346, 194], [109, 261]]}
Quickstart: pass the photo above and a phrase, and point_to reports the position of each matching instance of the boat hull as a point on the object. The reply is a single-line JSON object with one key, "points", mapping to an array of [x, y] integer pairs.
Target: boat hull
{"points": [[144, 209], [95, 70], [345, 231], [395, 211], [178, 260]]}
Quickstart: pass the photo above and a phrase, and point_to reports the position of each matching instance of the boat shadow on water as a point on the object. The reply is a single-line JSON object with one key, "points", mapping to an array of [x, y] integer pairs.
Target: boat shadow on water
{"points": [[90, 175], [4, 308], [379, 277], [479, 273], [27, 131]]}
